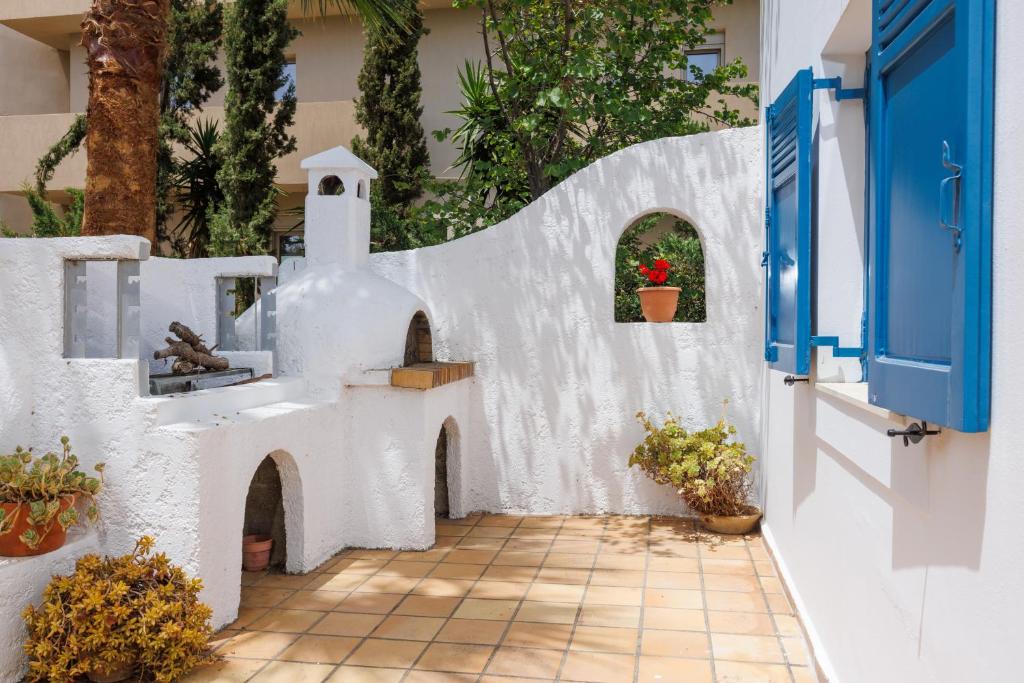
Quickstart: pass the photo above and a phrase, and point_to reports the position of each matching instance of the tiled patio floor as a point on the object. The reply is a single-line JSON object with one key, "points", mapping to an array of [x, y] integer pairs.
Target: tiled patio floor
{"points": [[500, 599]]}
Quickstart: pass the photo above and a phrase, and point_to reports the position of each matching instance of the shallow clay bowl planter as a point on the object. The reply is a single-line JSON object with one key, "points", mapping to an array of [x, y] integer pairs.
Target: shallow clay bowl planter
{"points": [[732, 524], [11, 546], [659, 303], [117, 672], [256, 552]]}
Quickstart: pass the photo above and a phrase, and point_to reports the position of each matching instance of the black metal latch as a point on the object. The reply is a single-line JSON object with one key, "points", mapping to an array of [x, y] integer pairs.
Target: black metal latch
{"points": [[790, 380], [914, 433]]}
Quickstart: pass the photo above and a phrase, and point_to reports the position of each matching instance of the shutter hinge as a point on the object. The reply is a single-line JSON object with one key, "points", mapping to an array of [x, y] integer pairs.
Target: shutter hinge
{"points": [[765, 255], [837, 85], [837, 350]]}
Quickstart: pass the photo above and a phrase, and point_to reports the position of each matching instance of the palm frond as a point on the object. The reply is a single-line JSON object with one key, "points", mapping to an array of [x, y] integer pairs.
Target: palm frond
{"points": [[377, 15]]}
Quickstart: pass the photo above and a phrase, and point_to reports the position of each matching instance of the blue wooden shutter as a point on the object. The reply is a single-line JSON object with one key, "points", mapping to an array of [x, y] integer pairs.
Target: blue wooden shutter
{"points": [[930, 132], [788, 223]]}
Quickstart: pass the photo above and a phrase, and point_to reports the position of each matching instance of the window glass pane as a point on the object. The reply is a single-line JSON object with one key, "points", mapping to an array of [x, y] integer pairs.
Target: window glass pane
{"points": [[705, 60], [289, 74], [292, 246]]}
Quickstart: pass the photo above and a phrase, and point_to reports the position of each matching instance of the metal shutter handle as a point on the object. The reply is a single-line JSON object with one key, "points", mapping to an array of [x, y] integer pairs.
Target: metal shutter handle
{"points": [[945, 201]]}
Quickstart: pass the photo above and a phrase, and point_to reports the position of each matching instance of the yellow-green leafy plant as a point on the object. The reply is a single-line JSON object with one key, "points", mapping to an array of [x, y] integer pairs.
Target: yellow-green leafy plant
{"points": [[37, 487], [708, 467], [137, 609]]}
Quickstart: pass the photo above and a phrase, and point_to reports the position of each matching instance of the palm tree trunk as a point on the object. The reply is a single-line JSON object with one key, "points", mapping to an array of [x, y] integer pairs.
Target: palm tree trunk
{"points": [[125, 41]]}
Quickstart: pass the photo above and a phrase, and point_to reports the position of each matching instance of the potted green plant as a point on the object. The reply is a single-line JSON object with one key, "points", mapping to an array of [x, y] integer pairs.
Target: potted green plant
{"points": [[136, 616], [708, 468], [39, 499], [658, 301]]}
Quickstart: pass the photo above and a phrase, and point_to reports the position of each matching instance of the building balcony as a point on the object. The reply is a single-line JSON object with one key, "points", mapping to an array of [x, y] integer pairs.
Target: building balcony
{"points": [[25, 138]]}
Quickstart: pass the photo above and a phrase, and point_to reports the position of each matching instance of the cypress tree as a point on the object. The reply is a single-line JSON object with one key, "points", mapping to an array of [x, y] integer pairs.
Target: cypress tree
{"points": [[256, 34], [389, 110]]}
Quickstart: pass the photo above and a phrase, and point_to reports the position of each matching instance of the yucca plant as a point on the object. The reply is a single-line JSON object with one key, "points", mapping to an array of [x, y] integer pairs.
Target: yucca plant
{"points": [[37, 490]]}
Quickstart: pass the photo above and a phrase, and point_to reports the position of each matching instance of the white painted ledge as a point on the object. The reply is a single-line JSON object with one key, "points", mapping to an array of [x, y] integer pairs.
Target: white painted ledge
{"points": [[856, 395]]}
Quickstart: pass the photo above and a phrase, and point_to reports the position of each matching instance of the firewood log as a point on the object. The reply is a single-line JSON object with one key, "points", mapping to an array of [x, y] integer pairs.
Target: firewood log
{"points": [[184, 351], [189, 337]]}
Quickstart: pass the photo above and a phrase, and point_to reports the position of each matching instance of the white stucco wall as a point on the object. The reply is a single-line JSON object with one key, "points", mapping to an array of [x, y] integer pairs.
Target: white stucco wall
{"points": [[904, 562]]}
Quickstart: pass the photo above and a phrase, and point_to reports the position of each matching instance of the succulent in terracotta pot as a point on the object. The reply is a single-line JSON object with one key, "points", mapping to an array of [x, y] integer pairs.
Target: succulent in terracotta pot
{"points": [[40, 499]]}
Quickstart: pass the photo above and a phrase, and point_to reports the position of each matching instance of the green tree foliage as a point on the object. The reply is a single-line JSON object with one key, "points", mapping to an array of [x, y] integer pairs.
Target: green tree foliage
{"points": [[566, 82], [47, 221], [256, 34], [198, 194], [680, 246]]}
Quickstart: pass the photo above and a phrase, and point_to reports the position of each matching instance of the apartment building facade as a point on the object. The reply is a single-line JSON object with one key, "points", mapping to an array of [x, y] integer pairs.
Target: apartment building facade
{"points": [[44, 84]]}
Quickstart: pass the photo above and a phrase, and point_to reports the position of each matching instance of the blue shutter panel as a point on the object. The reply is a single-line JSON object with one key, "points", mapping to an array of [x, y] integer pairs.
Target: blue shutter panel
{"points": [[788, 223], [930, 136]]}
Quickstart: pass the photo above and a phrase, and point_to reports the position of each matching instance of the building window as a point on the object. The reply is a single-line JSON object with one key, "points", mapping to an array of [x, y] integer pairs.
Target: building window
{"points": [[291, 246], [705, 60], [288, 71]]}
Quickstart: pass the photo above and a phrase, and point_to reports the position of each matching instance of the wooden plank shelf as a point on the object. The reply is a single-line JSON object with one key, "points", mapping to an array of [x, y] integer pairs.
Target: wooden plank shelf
{"points": [[430, 375]]}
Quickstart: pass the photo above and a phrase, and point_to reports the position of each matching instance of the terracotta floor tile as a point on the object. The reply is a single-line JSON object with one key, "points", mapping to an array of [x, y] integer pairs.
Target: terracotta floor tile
{"points": [[615, 561], [369, 603], [617, 577], [286, 620], [543, 521], [675, 644], [605, 639], [778, 603], [764, 568], [346, 624], [336, 566], [370, 554], [427, 606], [675, 599], [796, 651], [673, 670], [526, 662], [610, 615], [770, 584], [577, 577], [613, 595], [254, 596], [291, 581], [257, 644], [247, 615], [674, 619], [359, 674], [222, 637], [727, 601], [319, 649], [387, 584], [501, 520], [323, 601], [409, 628], [572, 546], [477, 543], [555, 592], [399, 654], [418, 676], [469, 572], [569, 560], [743, 623], [734, 567], [725, 552], [598, 667], [745, 672], [490, 532], [472, 631], [409, 569], [432, 555], [509, 679], [446, 542], [673, 564], [521, 574], [339, 583], [729, 582], [530, 545], [500, 610], [543, 636], [673, 580], [740, 648], [804, 674], [671, 549], [452, 529], [452, 588], [455, 657], [470, 556], [225, 671], [787, 625], [530, 532], [548, 612], [518, 559], [499, 590], [364, 566]]}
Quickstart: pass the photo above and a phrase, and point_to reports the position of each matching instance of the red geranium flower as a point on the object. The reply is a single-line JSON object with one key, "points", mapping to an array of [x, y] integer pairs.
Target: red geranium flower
{"points": [[644, 269], [662, 264]]}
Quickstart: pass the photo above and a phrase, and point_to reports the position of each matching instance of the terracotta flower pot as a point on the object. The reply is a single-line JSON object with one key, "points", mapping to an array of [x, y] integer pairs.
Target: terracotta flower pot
{"points": [[659, 303], [113, 674], [733, 524], [11, 546], [256, 552]]}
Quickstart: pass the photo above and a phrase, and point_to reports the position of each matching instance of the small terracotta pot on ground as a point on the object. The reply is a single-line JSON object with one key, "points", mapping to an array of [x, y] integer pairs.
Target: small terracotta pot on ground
{"points": [[11, 546], [116, 672], [256, 552], [732, 524], [659, 303]]}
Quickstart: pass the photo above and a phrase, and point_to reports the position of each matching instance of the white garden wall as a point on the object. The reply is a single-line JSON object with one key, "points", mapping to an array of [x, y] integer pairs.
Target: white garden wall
{"points": [[905, 562]]}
